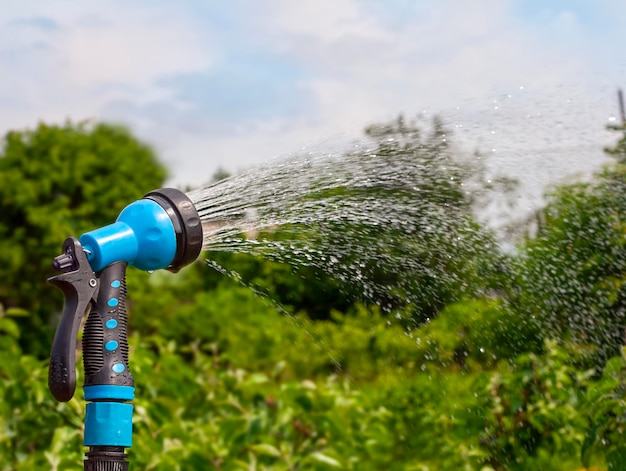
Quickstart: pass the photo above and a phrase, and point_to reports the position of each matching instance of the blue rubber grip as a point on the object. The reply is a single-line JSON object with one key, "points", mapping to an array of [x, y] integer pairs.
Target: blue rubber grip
{"points": [[105, 339]]}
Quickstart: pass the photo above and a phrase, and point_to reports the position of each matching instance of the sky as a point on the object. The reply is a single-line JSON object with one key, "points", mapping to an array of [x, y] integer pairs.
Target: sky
{"points": [[531, 84]]}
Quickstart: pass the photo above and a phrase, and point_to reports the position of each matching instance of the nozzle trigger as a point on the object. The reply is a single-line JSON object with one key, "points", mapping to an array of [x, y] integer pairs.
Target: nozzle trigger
{"points": [[79, 285]]}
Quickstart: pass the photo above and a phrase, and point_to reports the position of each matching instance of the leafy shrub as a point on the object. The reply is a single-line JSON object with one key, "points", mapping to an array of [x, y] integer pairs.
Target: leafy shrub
{"points": [[533, 417], [36, 432], [606, 409], [471, 334]]}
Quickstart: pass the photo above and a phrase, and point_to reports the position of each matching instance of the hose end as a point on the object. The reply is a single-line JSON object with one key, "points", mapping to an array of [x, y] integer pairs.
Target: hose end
{"points": [[187, 224]]}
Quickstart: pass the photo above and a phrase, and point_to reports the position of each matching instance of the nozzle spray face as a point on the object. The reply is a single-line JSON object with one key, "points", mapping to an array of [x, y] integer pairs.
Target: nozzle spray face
{"points": [[162, 230]]}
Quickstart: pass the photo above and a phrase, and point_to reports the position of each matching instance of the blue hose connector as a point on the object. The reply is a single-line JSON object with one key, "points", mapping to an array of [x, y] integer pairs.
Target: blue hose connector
{"points": [[108, 424]]}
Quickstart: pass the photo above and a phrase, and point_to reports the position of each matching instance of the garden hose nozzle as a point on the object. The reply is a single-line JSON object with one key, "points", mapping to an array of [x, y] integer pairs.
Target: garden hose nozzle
{"points": [[161, 230]]}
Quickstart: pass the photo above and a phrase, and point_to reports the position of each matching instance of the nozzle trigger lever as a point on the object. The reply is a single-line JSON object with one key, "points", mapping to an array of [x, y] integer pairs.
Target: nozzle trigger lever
{"points": [[79, 285]]}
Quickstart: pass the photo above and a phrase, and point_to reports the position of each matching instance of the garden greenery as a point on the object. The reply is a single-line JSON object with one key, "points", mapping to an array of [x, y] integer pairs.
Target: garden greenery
{"points": [[528, 373]]}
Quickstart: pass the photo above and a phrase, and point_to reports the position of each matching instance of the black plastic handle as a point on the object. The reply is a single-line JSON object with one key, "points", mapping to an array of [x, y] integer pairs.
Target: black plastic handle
{"points": [[79, 285], [105, 339]]}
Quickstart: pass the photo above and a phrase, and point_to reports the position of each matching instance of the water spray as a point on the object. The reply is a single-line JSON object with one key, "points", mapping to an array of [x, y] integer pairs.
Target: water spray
{"points": [[160, 231]]}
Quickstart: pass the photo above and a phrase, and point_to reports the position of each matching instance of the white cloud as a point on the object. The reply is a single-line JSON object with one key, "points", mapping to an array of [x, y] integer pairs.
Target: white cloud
{"points": [[326, 22], [137, 47], [357, 61], [97, 52]]}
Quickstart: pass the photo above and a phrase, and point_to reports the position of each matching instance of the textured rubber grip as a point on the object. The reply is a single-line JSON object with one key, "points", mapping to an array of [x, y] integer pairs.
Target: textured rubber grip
{"points": [[105, 338]]}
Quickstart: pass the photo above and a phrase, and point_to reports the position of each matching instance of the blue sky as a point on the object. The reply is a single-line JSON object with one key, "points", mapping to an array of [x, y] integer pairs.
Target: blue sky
{"points": [[233, 84]]}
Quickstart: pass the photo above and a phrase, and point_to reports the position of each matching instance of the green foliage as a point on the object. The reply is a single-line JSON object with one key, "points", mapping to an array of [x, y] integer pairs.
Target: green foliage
{"points": [[606, 409], [571, 278], [196, 411], [243, 330], [435, 418], [449, 255], [532, 411], [470, 335], [494, 379], [36, 431], [421, 250], [215, 418], [58, 181], [192, 412], [441, 173]]}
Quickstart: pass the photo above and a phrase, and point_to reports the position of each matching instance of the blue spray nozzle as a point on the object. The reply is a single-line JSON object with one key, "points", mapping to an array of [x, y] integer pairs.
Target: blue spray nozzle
{"points": [[162, 230]]}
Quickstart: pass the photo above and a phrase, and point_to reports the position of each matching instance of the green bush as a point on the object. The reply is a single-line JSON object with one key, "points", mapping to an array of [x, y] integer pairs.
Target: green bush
{"points": [[36, 432], [533, 412], [470, 335], [606, 409]]}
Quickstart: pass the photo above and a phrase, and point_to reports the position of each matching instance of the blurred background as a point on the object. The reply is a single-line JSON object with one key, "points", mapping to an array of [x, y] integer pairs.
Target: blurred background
{"points": [[470, 317]]}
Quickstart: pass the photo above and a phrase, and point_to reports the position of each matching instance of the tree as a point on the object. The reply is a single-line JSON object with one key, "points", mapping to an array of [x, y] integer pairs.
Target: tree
{"points": [[390, 223], [56, 182], [572, 276]]}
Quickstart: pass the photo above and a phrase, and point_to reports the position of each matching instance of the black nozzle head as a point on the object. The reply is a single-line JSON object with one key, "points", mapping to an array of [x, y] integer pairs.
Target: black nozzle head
{"points": [[186, 221]]}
